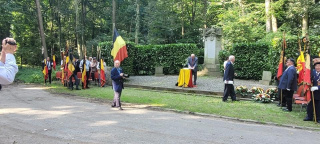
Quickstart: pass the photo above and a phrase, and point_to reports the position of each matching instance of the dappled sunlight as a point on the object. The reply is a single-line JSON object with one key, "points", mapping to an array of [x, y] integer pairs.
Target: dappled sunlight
{"points": [[42, 114], [134, 111], [36, 88], [103, 123], [64, 107]]}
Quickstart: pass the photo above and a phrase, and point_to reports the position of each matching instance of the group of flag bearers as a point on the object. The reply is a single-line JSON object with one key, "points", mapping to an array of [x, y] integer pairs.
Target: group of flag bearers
{"points": [[72, 69], [308, 81]]}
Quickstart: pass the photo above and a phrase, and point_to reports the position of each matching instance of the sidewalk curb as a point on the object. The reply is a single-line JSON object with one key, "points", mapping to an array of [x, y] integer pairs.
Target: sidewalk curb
{"points": [[231, 118]]}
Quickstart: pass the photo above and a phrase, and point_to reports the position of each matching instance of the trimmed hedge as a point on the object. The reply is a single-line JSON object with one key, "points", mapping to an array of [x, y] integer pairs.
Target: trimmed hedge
{"points": [[251, 59], [254, 58], [142, 59]]}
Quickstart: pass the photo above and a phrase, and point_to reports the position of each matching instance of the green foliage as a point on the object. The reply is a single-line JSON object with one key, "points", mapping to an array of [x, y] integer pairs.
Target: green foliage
{"points": [[142, 59], [251, 59], [30, 75], [254, 58]]}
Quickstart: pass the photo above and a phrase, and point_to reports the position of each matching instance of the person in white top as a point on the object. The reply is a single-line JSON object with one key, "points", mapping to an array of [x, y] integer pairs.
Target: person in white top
{"points": [[8, 66]]}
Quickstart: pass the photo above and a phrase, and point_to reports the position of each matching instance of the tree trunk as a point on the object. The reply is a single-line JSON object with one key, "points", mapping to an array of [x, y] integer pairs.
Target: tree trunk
{"points": [[305, 19], [182, 20], [205, 8], [79, 46], [137, 23], [241, 7], [268, 18], [113, 16], [45, 52], [274, 23], [83, 27]]}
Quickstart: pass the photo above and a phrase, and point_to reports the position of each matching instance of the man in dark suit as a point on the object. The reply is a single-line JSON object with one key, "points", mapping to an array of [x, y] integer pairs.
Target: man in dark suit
{"points": [[193, 65], [228, 80], [117, 84], [49, 65], [315, 75], [288, 83], [76, 64]]}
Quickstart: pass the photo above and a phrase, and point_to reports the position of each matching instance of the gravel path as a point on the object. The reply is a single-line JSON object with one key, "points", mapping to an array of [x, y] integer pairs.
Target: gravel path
{"points": [[31, 115], [204, 83]]}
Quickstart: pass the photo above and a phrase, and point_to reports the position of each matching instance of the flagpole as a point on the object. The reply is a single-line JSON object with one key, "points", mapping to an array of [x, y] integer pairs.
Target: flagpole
{"points": [[283, 54], [313, 103]]}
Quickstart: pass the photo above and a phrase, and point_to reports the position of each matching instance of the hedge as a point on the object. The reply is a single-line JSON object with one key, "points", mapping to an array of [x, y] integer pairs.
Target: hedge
{"points": [[142, 59], [254, 58]]}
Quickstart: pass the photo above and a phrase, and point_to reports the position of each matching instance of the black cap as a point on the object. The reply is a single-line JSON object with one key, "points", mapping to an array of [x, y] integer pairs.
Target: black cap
{"points": [[292, 60]]}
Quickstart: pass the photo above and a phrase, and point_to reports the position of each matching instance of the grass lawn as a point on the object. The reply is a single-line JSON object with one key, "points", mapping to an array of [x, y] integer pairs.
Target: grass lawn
{"points": [[197, 103]]}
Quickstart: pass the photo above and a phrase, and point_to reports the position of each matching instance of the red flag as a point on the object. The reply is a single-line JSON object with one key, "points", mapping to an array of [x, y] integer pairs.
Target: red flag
{"points": [[54, 62], [307, 77], [102, 76], [282, 58]]}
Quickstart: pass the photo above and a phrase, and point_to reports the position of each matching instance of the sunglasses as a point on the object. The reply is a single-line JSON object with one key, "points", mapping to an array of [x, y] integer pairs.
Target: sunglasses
{"points": [[10, 42]]}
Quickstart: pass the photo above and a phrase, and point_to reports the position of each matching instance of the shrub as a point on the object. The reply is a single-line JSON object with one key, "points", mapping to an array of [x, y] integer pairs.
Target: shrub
{"points": [[142, 59]]}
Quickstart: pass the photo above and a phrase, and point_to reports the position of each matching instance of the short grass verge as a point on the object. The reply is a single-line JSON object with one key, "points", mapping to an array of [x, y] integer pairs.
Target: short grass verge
{"points": [[195, 103]]}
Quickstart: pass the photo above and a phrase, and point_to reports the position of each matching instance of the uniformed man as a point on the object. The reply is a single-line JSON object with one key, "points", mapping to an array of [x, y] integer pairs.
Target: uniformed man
{"points": [[316, 94]]}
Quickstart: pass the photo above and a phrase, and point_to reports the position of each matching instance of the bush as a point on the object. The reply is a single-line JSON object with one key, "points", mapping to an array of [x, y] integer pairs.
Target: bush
{"points": [[142, 59], [251, 60], [254, 58]]}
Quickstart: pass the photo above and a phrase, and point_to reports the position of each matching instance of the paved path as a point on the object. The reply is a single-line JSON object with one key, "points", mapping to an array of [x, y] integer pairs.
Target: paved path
{"points": [[213, 84], [31, 115]]}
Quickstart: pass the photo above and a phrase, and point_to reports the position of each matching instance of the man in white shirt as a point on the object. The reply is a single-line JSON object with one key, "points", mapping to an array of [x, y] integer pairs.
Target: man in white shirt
{"points": [[87, 71], [8, 66]]}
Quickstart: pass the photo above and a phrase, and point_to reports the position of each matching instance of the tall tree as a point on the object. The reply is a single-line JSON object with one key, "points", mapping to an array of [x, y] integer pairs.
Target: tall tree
{"points": [[137, 22], [43, 40], [268, 18]]}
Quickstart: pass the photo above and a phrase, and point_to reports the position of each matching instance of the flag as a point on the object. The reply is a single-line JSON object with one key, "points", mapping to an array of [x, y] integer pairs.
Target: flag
{"points": [[45, 69], [301, 67], [62, 75], [282, 59], [119, 50], [307, 77], [70, 66], [54, 62], [102, 76], [84, 77]]}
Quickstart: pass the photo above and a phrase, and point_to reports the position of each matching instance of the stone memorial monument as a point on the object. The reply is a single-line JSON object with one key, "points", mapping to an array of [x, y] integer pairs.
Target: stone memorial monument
{"points": [[266, 78], [212, 45]]}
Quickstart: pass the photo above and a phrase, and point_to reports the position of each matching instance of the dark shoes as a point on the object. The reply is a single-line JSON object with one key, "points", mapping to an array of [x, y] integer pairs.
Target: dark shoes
{"points": [[286, 110], [308, 119], [113, 106], [279, 105], [78, 89], [120, 108]]}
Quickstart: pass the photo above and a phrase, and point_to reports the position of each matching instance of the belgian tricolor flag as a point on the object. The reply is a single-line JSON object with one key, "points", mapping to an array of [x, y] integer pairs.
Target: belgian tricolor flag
{"points": [[45, 69], [119, 51], [102, 76], [282, 58], [84, 74], [54, 62]]}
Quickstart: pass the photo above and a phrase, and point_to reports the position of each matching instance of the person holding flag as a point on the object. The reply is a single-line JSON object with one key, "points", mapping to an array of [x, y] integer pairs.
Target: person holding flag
{"points": [[84, 66], [47, 71], [314, 103]]}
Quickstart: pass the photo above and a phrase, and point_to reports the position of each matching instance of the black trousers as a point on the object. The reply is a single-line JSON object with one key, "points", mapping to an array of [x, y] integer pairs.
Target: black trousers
{"points": [[49, 75], [229, 90], [310, 109], [76, 81], [284, 101], [194, 73], [288, 95]]}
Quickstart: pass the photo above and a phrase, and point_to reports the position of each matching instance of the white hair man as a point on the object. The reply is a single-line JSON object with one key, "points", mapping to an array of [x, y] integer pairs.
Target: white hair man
{"points": [[117, 84], [193, 65], [228, 80]]}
